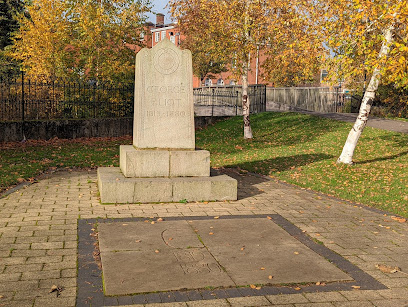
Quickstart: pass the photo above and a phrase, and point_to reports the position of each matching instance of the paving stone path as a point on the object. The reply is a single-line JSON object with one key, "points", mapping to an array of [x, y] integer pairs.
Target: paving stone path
{"points": [[38, 238]]}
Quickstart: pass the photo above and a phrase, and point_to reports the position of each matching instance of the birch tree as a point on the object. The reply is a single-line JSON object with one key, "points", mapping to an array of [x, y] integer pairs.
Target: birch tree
{"points": [[235, 30], [367, 38]]}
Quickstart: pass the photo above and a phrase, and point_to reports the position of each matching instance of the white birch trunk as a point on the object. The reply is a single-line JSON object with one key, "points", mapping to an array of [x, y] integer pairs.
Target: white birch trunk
{"points": [[245, 96], [246, 104], [346, 156]]}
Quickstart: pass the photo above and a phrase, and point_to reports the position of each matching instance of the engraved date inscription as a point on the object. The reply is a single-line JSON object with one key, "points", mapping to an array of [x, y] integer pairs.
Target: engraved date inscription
{"points": [[193, 262]]}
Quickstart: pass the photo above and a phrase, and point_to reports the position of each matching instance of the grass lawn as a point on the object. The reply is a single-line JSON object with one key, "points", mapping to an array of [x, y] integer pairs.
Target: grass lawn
{"points": [[302, 150], [24, 161], [299, 149]]}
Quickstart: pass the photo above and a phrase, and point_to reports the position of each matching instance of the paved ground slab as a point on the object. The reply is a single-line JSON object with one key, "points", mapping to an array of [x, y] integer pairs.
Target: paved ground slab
{"points": [[142, 257], [139, 257], [46, 239]]}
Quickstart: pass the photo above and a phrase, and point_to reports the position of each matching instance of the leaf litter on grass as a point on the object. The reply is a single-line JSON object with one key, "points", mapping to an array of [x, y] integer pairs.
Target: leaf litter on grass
{"points": [[303, 149]]}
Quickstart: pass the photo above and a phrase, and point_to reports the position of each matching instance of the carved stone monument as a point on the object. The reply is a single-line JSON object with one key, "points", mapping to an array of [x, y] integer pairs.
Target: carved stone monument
{"points": [[163, 165]]}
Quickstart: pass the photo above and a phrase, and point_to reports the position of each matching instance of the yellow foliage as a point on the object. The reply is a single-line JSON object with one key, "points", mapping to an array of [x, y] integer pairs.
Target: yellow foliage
{"points": [[80, 39], [233, 31], [353, 30]]}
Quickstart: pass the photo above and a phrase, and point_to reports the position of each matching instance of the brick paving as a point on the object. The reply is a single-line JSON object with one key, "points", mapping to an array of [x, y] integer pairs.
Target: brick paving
{"points": [[38, 238]]}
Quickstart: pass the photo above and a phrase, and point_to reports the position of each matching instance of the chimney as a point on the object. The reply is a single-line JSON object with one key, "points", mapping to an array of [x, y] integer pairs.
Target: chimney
{"points": [[159, 20]]}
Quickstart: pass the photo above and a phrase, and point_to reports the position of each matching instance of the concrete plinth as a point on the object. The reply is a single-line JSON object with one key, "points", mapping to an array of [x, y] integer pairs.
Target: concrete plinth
{"points": [[114, 187], [164, 163]]}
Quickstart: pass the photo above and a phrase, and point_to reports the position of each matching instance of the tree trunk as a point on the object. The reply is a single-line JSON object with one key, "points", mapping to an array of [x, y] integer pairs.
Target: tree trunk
{"points": [[246, 103], [346, 156], [246, 66]]}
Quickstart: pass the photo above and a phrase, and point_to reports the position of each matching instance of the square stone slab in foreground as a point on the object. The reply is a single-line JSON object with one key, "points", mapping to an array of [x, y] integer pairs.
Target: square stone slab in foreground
{"points": [[142, 257]]}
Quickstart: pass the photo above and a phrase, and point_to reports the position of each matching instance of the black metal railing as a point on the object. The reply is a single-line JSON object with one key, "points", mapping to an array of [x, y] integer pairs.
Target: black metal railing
{"points": [[28, 100], [23, 100], [227, 100]]}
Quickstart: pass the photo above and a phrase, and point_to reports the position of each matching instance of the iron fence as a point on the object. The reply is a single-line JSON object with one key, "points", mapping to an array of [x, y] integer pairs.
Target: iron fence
{"points": [[227, 100], [22, 100]]}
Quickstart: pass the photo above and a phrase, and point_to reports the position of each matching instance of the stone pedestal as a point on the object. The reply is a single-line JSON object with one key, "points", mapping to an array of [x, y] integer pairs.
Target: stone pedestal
{"points": [[163, 165]]}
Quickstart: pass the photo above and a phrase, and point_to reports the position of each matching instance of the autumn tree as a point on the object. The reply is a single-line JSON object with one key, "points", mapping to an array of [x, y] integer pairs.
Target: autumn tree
{"points": [[80, 39], [205, 65], [233, 31], [9, 9], [366, 37]]}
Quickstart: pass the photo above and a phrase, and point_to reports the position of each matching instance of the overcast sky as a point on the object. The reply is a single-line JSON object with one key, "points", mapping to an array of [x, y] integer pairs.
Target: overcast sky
{"points": [[158, 7]]}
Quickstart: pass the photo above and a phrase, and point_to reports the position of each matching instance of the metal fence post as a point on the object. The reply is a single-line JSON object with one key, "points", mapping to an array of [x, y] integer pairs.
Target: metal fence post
{"points": [[236, 103], [212, 101], [22, 107]]}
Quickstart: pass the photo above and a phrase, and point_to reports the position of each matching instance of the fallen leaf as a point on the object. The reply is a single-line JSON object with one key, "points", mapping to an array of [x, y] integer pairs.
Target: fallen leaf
{"points": [[297, 288], [356, 287], [387, 269], [138, 241], [296, 253], [152, 222], [399, 219], [268, 217], [160, 219], [262, 268], [270, 277], [53, 288], [252, 286], [170, 239], [216, 217], [157, 251], [211, 233], [258, 288], [318, 283], [242, 248]]}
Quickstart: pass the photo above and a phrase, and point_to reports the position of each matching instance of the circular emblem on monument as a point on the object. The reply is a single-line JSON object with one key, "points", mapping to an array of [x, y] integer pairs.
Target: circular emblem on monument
{"points": [[166, 61]]}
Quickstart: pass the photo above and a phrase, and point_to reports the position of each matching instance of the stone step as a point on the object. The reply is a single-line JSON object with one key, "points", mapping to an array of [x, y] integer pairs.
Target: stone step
{"points": [[114, 187], [163, 163]]}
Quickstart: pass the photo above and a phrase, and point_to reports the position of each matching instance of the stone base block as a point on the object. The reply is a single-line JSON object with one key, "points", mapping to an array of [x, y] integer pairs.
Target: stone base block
{"points": [[185, 163], [163, 163], [144, 163], [116, 188]]}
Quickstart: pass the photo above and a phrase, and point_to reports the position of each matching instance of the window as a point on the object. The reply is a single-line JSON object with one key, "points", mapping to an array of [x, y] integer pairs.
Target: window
{"points": [[142, 35], [232, 82], [173, 39], [163, 35], [207, 82], [157, 37], [220, 82], [323, 75]]}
